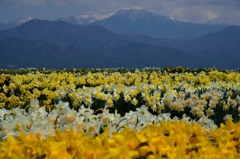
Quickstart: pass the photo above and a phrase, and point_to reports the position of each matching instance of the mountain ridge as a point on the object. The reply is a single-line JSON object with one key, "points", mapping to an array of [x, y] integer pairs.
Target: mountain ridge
{"points": [[103, 48], [64, 34], [140, 21], [23, 53], [131, 21]]}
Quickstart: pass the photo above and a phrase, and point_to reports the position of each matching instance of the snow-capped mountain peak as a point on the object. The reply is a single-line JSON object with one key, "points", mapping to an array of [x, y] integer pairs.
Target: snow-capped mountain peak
{"points": [[133, 14], [136, 14], [22, 20], [82, 19]]}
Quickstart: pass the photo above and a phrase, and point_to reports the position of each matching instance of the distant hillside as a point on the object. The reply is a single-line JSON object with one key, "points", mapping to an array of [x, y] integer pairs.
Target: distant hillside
{"points": [[163, 42], [3, 26], [222, 47], [21, 53], [139, 55], [225, 36], [64, 34]]}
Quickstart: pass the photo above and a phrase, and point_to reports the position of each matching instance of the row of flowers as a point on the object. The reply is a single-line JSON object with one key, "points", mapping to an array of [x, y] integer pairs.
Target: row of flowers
{"points": [[172, 139], [212, 93], [42, 124]]}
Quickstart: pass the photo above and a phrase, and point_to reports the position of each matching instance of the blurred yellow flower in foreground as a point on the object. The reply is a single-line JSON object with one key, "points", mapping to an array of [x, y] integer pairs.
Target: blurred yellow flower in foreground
{"points": [[169, 140]]}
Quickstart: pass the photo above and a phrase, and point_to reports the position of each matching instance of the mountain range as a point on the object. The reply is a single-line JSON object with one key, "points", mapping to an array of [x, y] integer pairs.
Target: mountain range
{"points": [[138, 21], [57, 44], [64, 34], [222, 47], [129, 21], [21, 53]]}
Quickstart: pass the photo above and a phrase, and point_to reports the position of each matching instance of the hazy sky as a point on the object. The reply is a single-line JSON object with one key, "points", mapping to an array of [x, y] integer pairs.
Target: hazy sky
{"points": [[188, 10]]}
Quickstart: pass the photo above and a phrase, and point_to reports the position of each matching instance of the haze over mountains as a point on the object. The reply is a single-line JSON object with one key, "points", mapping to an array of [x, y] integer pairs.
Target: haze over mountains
{"points": [[58, 44]]}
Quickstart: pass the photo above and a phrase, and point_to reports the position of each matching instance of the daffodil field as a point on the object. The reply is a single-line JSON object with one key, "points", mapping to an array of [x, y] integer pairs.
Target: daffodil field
{"points": [[151, 113]]}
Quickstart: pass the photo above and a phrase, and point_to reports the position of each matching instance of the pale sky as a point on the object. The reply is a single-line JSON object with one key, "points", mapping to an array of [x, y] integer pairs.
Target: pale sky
{"points": [[187, 10]]}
